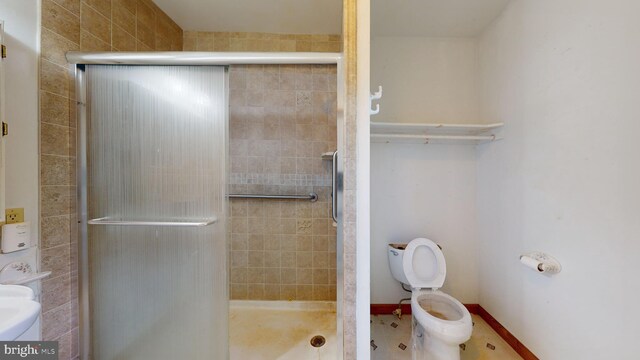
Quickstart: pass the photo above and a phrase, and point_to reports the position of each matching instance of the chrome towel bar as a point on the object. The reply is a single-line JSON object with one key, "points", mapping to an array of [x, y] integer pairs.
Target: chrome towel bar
{"points": [[311, 197], [107, 221]]}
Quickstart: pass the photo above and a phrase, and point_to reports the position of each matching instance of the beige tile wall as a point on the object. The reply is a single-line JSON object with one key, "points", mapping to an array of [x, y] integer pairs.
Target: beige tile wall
{"points": [[88, 25], [282, 119], [279, 126], [242, 41]]}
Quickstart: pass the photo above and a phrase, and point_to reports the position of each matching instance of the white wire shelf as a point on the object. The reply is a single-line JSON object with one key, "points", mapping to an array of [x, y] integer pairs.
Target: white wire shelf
{"points": [[464, 134]]}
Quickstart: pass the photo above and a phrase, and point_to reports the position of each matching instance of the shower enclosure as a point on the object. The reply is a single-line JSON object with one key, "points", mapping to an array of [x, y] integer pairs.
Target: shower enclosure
{"points": [[153, 198]]}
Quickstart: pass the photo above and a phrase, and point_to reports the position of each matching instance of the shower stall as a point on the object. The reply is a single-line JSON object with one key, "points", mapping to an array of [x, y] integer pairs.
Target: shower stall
{"points": [[165, 140]]}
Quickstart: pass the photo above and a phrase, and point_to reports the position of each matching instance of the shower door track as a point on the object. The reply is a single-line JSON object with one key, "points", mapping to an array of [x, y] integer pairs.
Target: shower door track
{"points": [[203, 58], [171, 58]]}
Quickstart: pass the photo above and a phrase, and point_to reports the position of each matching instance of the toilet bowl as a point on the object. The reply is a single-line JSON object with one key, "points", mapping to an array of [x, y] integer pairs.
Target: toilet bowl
{"points": [[440, 322]]}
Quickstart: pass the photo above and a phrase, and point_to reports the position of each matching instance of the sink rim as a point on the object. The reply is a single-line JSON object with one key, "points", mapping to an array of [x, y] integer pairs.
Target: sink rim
{"points": [[16, 292], [23, 311], [14, 326]]}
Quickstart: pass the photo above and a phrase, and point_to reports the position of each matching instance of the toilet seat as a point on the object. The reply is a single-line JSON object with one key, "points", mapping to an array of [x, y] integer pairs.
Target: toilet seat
{"points": [[428, 305], [424, 264]]}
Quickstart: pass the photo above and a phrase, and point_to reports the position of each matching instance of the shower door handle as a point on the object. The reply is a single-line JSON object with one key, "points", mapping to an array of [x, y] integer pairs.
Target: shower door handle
{"points": [[334, 187], [197, 223]]}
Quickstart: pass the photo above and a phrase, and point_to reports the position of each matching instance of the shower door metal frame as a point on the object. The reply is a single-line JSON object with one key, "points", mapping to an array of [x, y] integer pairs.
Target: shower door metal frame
{"points": [[80, 59]]}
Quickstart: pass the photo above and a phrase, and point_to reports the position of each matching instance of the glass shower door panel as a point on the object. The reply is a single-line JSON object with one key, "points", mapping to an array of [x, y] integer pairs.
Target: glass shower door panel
{"points": [[156, 153]]}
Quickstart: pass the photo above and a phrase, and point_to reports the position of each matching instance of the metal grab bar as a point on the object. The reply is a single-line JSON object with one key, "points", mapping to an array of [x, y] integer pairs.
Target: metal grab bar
{"points": [[106, 221], [313, 197], [334, 186]]}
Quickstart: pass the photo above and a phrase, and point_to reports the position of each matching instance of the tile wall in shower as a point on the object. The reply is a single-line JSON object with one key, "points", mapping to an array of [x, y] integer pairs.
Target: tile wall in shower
{"points": [[282, 118], [247, 41], [74, 25]]}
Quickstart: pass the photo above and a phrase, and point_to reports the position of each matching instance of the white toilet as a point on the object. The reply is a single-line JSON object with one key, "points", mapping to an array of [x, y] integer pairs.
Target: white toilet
{"points": [[440, 322]]}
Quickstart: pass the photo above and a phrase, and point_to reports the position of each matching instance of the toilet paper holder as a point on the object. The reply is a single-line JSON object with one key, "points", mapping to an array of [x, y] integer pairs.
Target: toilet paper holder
{"points": [[541, 262]]}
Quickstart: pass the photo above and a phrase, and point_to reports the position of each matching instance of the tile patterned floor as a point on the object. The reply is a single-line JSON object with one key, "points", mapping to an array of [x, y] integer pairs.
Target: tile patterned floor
{"points": [[389, 336], [281, 330]]}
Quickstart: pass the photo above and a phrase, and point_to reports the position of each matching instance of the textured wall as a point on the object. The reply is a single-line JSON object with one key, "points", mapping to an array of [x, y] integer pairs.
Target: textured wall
{"points": [[282, 118], [420, 190], [20, 111], [92, 25], [20, 168], [427, 80], [563, 76], [240, 41]]}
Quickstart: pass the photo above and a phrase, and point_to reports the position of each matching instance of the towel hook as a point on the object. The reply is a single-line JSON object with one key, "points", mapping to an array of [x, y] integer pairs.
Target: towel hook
{"points": [[376, 110], [378, 94], [375, 96]]}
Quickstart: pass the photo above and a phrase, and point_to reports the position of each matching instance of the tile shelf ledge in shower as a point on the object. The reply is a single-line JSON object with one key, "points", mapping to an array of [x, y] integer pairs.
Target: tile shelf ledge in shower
{"points": [[415, 133]]}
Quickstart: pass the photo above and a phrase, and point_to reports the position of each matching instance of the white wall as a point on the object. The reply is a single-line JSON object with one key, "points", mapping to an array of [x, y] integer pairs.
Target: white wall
{"points": [[564, 75], [426, 79], [22, 24], [425, 190], [363, 187]]}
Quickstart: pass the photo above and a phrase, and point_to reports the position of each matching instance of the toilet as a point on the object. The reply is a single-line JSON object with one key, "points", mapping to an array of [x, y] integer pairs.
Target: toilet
{"points": [[440, 322]]}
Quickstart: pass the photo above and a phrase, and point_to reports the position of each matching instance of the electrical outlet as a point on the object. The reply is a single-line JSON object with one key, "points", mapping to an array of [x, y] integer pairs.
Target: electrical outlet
{"points": [[13, 216]]}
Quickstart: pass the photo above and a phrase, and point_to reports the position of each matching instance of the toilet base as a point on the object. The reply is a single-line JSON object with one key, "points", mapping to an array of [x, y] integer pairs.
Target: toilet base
{"points": [[426, 347]]}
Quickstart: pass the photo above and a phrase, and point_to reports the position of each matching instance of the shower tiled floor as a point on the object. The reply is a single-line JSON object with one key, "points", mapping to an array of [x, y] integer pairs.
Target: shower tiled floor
{"points": [[273, 330], [389, 335]]}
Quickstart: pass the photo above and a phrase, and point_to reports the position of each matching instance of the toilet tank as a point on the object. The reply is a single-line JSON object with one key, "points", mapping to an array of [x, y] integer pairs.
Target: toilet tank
{"points": [[395, 252]]}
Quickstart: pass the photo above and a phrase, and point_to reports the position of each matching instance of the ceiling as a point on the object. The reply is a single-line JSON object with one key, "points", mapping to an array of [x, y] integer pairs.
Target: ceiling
{"points": [[433, 18], [270, 16]]}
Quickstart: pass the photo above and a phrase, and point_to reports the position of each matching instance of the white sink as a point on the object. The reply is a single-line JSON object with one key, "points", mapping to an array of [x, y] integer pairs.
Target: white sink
{"points": [[18, 311]]}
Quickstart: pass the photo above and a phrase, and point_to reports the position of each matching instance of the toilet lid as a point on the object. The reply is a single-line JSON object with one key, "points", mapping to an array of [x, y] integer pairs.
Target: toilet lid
{"points": [[424, 265]]}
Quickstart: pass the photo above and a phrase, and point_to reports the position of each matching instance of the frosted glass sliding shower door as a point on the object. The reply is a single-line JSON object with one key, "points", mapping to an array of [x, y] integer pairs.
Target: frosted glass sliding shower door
{"points": [[155, 201]]}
